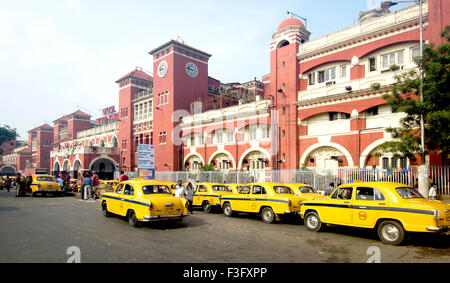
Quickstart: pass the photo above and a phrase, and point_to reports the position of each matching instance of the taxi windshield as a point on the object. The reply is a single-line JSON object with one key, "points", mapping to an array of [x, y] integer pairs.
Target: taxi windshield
{"points": [[408, 193], [44, 178], [156, 189], [283, 190], [307, 189], [222, 188]]}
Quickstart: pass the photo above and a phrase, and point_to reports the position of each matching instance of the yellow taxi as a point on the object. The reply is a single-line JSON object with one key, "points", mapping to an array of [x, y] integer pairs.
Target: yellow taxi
{"points": [[112, 183], [144, 201], [44, 184], [208, 195], [306, 192], [271, 200], [393, 209], [235, 187]]}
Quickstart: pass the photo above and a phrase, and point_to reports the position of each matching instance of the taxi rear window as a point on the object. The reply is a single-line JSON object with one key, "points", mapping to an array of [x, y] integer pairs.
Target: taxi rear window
{"points": [[222, 188], [45, 179], [408, 193], [156, 189], [306, 190], [283, 190]]}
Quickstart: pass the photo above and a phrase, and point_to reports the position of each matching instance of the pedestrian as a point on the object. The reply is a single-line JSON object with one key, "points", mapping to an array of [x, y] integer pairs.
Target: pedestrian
{"points": [[123, 177], [190, 191], [432, 193], [95, 182], [67, 181], [87, 186], [330, 189], [8, 182], [60, 181], [180, 190]]}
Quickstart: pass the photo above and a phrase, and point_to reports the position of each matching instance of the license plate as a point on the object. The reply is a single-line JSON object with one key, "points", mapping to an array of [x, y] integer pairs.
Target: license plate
{"points": [[169, 204]]}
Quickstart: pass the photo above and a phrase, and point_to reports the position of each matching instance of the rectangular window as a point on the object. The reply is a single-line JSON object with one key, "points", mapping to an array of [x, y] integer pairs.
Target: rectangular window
{"points": [[219, 136], [372, 65], [230, 136], [395, 58], [343, 71], [415, 52], [311, 78], [333, 116], [252, 130], [321, 76]]}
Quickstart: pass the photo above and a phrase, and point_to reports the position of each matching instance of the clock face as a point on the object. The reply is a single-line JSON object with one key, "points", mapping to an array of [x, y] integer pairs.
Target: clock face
{"points": [[162, 69], [191, 69]]}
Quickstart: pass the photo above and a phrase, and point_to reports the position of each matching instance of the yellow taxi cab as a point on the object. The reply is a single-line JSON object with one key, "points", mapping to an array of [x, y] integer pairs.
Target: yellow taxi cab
{"points": [[393, 209], [208, 195], [271, 200], [306, 192], [44, 184], [112, 183], [144, 201], [2, 183], [235, 187]]}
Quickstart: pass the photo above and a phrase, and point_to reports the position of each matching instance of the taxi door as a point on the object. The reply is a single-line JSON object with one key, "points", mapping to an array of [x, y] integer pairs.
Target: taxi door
{"points": [[338, 209], [127, 199], [242, 200], [365, 205], [199, 195], [257, 198], [114, 201]]}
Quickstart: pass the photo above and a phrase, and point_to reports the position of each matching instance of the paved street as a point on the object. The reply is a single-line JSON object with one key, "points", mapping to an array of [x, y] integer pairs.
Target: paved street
{"points": [[41, 229]]}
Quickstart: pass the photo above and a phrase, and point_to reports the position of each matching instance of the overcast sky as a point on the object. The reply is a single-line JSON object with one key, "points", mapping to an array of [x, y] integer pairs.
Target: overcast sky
{"points": [[57, 56]]}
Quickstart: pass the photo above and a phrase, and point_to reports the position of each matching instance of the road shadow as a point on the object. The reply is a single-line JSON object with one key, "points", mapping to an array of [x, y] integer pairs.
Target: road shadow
{"points": [[190, 221], [424, 240]]}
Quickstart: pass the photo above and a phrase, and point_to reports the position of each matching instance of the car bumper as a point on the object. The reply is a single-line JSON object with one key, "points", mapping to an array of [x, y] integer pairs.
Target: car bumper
{"points": [[292, 212], [164, 217], [440, 229]]}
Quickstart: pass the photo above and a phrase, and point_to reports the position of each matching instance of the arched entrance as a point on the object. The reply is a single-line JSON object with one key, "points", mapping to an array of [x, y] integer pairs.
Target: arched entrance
{"points": [[76, 169], [8, 171], [66, 166], [56, 168], [104, 167]]}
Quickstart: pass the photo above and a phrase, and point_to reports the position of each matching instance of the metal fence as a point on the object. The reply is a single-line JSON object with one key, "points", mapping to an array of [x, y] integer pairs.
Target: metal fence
{"points": [[319, 179]]}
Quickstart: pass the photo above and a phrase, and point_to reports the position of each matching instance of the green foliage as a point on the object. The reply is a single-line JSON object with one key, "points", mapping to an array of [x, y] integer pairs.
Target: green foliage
{"points": [[435, 107], [7, 134], [209, 167]]}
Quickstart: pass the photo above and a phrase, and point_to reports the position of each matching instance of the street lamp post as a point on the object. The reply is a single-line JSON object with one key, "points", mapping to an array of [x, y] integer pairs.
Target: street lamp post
{"points": [[387, 5], [423, 172]]}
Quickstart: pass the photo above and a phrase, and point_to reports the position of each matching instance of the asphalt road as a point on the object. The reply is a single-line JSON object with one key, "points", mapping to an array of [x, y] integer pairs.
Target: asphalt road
{"points": [[42, 229]]}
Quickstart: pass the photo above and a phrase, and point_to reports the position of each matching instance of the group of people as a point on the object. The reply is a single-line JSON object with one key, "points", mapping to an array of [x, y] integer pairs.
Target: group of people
{"points": [[186, 192], [63, 180], [8, 182], [89, 185]]}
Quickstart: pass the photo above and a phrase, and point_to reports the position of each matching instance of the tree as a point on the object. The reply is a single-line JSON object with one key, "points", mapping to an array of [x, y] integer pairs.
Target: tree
{"points": [[7, 134], [208, 167], [435, 107]]}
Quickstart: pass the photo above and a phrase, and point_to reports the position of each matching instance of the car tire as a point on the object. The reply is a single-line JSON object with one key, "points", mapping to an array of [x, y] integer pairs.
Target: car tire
{"points": [[206, 206], [132, 219], [268, 216], [313, 223], [227, 210], [105, 211], [391, 232]]}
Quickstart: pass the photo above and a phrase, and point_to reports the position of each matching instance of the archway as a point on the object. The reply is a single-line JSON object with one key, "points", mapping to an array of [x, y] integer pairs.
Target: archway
{"points": [[104, 167], [56, 167], [336, 152], [76, 168], [66, 166], [223, 160], [8, 171], [193, 162]]}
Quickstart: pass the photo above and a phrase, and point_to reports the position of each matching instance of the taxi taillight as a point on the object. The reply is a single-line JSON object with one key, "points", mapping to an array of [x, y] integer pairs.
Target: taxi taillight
{"points": [[150, 207]]}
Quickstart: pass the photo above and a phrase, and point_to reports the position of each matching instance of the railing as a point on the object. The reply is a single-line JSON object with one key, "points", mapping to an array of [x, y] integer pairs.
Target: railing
{"points": [[319, 179]]}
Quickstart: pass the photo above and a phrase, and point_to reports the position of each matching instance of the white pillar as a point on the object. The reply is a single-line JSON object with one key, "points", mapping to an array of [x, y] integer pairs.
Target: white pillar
{"points": [[424, 175]]}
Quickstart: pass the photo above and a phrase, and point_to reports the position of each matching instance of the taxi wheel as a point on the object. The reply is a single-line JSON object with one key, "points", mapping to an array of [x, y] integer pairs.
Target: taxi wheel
{"points": [[105, 211], [132, 219], [313, 222], [267, 215], [206, 207], [391, 232], [227, 210]]}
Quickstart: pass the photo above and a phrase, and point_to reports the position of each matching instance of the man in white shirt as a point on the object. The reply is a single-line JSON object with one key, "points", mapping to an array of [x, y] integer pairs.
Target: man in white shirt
{"points": [[432, 194], [180, 190]]}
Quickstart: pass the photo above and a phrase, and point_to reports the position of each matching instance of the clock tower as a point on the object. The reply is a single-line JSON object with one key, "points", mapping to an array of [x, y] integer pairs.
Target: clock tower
{"points": [[181, 77]]}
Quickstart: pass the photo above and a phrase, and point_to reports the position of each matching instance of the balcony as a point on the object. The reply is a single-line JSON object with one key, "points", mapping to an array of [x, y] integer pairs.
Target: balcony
{"points": [[65, 153]]}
